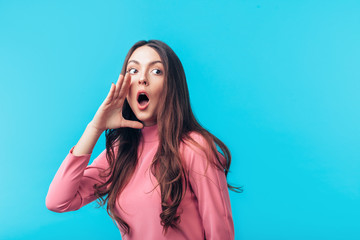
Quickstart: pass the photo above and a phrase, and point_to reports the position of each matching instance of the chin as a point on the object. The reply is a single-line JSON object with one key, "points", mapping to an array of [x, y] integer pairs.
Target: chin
{"points": [[147, 121], [146, 117]]}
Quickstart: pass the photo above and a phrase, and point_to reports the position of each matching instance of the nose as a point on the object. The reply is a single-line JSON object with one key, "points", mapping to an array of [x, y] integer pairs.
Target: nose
{"points": [[143, 80]]}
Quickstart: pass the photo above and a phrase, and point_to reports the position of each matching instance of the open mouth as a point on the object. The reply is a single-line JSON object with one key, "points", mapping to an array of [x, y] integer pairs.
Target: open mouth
{"points": [[143, 99]]}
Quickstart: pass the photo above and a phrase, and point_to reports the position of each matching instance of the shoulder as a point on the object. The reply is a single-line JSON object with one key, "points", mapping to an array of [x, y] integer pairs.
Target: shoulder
{"points": [[196, 151], [194, 143]]}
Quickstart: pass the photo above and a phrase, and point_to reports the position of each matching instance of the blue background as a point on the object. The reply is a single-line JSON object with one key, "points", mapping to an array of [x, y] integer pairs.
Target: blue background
{"points": [[278, 81]]}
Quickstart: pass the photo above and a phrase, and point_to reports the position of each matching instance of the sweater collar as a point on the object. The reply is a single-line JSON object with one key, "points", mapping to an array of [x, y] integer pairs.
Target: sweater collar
{"points": [[150, 133]]}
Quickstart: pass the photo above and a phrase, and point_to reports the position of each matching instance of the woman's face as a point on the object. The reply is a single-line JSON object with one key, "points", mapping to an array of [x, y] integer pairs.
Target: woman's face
{"points": [[147, 80]]}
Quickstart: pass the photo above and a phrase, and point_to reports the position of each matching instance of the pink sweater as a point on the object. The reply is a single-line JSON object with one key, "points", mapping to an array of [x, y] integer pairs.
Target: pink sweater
{"points": [[205, 209]]}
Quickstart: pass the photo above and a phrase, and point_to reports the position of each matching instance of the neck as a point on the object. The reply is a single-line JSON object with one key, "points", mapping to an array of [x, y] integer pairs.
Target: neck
{"points": [[150, 133]]}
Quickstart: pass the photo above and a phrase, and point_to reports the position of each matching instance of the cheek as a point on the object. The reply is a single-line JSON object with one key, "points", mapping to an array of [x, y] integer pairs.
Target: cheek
{"points": [[161, 90]]}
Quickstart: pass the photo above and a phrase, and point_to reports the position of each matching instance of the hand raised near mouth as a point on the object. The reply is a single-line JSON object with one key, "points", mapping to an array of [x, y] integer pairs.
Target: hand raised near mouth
{"points": [[109, 115]]}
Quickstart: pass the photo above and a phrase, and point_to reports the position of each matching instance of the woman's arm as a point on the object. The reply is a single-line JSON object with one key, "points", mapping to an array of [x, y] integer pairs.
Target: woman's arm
{"points": [[87, 141], [210, 187], [72, 186], [108, 116]]}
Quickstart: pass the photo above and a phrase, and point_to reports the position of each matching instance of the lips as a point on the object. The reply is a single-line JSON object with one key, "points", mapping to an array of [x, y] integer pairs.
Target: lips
{"points": [[143, 100]]}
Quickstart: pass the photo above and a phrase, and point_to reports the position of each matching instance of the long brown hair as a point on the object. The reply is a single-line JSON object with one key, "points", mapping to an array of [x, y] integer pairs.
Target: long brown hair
{"points": [[175, 122]]}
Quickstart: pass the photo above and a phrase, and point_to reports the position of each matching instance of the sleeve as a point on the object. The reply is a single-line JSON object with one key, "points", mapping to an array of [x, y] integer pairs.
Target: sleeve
{"points": [[72, 186], [210, 188]]}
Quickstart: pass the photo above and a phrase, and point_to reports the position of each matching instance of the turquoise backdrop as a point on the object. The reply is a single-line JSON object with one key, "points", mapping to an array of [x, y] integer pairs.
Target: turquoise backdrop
{"points": [[277, 80]]}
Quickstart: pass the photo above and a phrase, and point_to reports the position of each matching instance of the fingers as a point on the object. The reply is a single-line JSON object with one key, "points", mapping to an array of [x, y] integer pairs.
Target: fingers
{"points": [[110, 95], [125, 86], [118, 86], [119, 90]]}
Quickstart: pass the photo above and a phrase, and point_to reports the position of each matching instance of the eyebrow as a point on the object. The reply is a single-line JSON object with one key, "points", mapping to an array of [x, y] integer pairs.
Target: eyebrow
{"points": [[151, 63]]}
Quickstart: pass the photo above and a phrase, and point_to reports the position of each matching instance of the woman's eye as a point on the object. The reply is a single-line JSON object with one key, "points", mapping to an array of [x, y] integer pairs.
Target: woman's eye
{"points": [[157, 71], [132, 70]]}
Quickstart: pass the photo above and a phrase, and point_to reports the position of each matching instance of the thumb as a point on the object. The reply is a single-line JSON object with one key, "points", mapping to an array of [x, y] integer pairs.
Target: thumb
{"points": [[133, 124]]}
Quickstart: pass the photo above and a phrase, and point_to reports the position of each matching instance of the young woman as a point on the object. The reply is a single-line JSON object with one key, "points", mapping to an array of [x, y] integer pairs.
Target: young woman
{"points": [[161, 174]]}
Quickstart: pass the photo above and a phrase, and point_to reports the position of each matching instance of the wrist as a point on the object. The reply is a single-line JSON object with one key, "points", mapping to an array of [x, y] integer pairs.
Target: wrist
{"points": [[95, 128]]}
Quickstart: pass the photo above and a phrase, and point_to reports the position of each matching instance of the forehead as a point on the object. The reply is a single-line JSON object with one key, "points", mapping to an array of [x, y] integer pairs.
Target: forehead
{"points": [[144, 55]]}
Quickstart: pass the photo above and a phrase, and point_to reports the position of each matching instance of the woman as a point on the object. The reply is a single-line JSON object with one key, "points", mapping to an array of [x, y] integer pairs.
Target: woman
{"points": [[160, 174]]}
